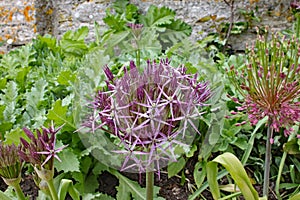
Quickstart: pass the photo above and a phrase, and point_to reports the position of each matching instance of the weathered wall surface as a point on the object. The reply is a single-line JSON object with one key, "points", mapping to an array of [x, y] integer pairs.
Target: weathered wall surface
{"points": [[21, 20]]}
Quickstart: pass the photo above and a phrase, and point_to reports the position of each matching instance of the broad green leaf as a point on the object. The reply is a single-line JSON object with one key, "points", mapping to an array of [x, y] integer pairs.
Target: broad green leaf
{"points": [[59, 115], [66, 77], [69, 161], [157, 16], [13, 137], [175, 167], [295, 197], [175, 32], [236, 170], [3, 196], [21, 77], [292, 147], [199, 176], [115, 22], [9, 194]]}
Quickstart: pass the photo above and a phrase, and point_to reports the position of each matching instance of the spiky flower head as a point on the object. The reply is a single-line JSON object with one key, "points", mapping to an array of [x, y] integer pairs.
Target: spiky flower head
{"points": [[40, 150], [10, 162], [149, 112], [269, 82]]}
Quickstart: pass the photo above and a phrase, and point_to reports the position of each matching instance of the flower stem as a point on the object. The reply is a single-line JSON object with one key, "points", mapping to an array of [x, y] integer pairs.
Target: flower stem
{"points": [[19, 192], [298, 25], [15, 183], [52, 189], [267, 161], [138, 57], [149, 184]]}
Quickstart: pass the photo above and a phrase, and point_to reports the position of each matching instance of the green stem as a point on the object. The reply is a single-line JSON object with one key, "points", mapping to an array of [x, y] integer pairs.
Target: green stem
{"points": [[149, 184], [138, 57], [298, 25], [267, 161], [279, 175], [15, 183], [19, 192], [52, 189]]}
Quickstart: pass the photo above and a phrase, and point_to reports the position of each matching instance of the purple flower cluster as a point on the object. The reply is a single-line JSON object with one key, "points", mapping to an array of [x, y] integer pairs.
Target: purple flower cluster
{"points": [[149, 112], [271, 87], [40, 151], [10, 162]]}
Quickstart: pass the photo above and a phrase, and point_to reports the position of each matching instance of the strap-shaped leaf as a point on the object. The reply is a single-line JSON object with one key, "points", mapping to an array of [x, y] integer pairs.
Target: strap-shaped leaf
{"points": [[66, 186], [236, 170]]}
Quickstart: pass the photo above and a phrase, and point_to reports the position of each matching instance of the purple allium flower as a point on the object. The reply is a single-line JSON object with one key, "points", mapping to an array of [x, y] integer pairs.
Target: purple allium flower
{"points": [[136, 29], [40, 151], [10, 162], [270, 83], [149, 112], [295, 5]]}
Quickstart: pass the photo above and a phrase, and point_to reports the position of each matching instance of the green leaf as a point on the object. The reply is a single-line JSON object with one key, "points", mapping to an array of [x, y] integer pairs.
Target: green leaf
{"points": [[199, 176], [295, 197], [65, 77], [128, 187], [66, 186], [212, 172], [175, 167], [175, 32], [236, 170], [77, 35], [58, 114], [115, 22], [3, 196], [97, 196], [292, 147], [157, 16], [69, 161], [10, 93], [13, 137], [36, 96]]}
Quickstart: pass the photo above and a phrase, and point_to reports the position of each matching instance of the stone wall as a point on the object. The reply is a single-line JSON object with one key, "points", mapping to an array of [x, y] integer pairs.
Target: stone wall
{"points": [[21, 20]]}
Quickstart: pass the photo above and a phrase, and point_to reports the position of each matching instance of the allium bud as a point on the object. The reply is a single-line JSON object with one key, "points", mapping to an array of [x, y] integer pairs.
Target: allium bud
{"points": [[40, 151], [10, 163]]}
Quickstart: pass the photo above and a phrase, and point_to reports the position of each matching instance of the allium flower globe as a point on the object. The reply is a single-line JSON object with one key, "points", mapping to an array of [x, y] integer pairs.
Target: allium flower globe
{"points": [[270, 83], [150, 112]]}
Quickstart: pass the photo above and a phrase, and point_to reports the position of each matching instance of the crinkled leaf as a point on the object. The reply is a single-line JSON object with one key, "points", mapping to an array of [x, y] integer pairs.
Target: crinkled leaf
{"points": [[69, 161], [59, 114], [115, 22], [13, 137], [175, 32], [157, 16], [66, 77]]}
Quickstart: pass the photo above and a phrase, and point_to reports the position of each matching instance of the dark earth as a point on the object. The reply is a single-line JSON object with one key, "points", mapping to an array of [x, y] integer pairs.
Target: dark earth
{"points": [[170, 188]]}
